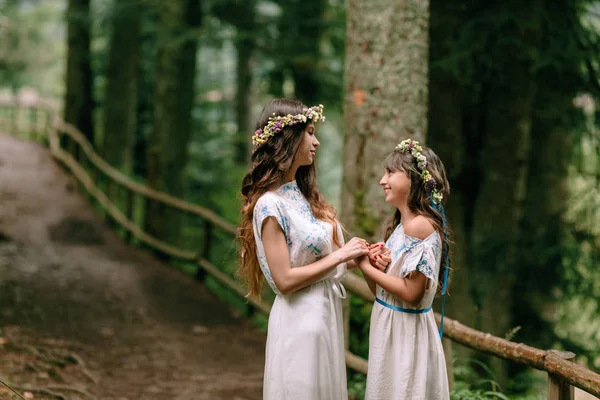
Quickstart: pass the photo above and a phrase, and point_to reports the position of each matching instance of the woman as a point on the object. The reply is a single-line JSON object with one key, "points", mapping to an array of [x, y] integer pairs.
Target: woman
{"points": [[292, 237]]}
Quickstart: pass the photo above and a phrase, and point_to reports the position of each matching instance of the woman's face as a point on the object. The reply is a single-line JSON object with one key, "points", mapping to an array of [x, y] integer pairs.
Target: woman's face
{"points": [[308, 147], [396, 187]]}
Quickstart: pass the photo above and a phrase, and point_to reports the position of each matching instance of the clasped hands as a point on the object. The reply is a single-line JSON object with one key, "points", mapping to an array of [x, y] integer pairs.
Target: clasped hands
{"points": [[379, 256], [365, 254]]}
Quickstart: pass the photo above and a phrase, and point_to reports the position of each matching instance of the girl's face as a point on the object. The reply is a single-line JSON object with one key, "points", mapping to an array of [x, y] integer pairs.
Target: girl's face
{"points": [[396, 186], [308, 147]]}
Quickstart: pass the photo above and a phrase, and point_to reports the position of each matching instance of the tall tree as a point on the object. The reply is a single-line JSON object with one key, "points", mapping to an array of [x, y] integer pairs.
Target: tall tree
{"points": [[79, 102], [481, 124], [503, 134], [120, 98], [149, 23], [385, 99], [245, 45], [297, 48], [173, 101], [448, 94], [12, 61], [543, 230], [242, 15]]}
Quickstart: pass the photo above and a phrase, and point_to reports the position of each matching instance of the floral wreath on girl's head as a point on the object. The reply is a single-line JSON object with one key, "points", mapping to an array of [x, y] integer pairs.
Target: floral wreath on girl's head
{"points": [[413, 147], [276, 124]]}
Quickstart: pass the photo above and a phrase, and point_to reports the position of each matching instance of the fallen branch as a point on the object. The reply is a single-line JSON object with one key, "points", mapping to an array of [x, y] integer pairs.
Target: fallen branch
{"points": [[79, 361], [11, 389], [42, 391], [71, 389]]}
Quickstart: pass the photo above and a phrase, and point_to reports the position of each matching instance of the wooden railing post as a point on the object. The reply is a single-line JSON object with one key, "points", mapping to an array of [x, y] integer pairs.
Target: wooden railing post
{"points": [[72, 147], [205, 254], [47, 128], [111, 193], [15, 118], [129, 211], [33, 114], [558, 388]]}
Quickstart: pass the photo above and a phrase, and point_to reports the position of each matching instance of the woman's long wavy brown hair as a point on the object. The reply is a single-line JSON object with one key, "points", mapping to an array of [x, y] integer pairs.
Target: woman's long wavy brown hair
{"points": [[270, 164], [419, 200]]}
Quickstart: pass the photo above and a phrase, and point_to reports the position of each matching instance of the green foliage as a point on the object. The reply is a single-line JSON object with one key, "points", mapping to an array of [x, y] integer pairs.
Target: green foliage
{"points": [[474, 380], [360, 318], [32, 45], [287, 43], [366, 223], [357, 383]]}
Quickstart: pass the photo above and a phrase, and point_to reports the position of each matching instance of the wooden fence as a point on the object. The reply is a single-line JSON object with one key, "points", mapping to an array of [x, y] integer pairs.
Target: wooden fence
{"points": [[117, 194]]}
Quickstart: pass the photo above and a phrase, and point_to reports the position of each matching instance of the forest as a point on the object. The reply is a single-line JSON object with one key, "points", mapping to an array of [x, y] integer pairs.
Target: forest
{"points": [[506, 93]]}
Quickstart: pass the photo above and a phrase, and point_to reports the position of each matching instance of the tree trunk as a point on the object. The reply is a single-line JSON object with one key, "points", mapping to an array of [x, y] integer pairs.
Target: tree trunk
{"points": [[305, 57], [245, 49], [503, 164], [543, 231], [149, 21], [79, 103], [300, 59], [448, 137], [385, 100], [174, 98], [120, 99]]}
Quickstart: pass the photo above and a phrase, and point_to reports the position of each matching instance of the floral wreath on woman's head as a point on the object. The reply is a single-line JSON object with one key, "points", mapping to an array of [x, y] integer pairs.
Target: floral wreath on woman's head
{"points": [[276, 124], [415, 149]]}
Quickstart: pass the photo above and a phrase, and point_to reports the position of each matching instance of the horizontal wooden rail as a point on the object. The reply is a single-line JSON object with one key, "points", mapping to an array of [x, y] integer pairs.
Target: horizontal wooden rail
{"points": [[554, 363], [115, 213], [118, 177], [543, 360]]}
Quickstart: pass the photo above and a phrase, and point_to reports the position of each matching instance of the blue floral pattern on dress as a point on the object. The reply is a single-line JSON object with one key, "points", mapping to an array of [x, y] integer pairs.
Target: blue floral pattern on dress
{"points": [[308, 239], [415, 254], [424, 268]]}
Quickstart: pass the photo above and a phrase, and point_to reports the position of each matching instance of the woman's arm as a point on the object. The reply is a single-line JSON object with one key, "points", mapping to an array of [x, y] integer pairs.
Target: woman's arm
{"points": [[288, 279]]}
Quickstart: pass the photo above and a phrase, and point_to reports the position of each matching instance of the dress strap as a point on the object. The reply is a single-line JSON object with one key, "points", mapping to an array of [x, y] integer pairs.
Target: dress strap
{"points": [[400, 309], [338, 288]]}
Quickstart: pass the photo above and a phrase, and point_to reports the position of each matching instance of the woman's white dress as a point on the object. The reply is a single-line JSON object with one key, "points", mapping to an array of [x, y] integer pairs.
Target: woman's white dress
{"points": [[305, 340], [406, 360]]}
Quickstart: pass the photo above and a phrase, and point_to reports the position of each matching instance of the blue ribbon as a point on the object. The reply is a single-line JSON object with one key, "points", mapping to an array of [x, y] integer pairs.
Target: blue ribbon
{"points": [[446, 267], [404, 310]]}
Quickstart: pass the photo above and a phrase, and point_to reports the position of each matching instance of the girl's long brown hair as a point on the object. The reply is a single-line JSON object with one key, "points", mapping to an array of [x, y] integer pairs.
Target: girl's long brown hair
{"points": [[270, 164], [419, 200]]}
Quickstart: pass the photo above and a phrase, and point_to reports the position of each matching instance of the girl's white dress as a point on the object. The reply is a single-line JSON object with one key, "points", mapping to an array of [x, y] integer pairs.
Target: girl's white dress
{"points": [[406, 360], [305, 340]]}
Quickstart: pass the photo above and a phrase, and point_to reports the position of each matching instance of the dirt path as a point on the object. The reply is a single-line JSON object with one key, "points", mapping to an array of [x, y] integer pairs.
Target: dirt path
{"points": [[144, 330]]}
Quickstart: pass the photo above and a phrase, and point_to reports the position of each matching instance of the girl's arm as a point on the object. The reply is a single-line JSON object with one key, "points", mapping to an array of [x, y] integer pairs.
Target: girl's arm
{"points": [[288, 279], [410, 289], [370, 282], [379, 257]]}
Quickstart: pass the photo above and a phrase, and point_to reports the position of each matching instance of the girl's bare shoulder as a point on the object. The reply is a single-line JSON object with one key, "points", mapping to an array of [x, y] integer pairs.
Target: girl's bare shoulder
{"points": [[419, 227]]}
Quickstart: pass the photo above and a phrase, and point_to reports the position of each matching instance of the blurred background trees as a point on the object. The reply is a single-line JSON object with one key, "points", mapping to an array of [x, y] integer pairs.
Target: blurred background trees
{"points": [[506, 92]]}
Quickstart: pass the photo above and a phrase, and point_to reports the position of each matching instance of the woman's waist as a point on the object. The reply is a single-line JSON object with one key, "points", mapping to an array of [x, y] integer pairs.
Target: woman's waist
{"points": [[327, 287]]}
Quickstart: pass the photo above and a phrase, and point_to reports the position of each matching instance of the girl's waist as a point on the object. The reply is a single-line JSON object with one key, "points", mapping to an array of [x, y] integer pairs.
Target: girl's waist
{"points": [[398, 306]]}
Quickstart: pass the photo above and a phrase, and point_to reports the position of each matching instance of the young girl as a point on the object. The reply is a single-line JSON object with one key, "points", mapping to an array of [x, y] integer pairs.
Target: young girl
{"points": [[406, 360], [292, 236]]}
